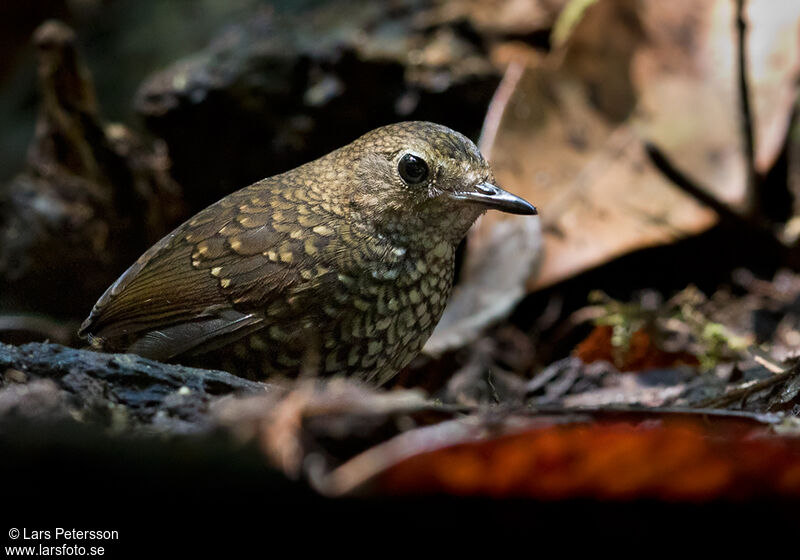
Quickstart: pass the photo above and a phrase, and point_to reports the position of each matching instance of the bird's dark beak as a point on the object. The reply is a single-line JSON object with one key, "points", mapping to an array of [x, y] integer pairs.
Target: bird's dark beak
{"points": [[492, 196]]}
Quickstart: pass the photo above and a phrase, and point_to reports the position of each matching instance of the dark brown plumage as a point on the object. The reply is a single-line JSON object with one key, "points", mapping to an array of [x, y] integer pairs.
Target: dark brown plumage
{"points": [[343, 264]]}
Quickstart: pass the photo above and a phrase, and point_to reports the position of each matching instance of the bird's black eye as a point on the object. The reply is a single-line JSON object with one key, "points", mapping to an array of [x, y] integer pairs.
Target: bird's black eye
{"points": [[412, 169]]}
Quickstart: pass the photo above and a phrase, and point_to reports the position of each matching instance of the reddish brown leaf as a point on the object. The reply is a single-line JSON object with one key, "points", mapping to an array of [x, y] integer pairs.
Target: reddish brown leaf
{"points": [[676, 462], [641, 354]]}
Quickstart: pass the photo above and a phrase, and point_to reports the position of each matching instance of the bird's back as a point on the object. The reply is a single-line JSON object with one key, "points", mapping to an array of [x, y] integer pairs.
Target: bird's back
{"points": [[217, 275]]}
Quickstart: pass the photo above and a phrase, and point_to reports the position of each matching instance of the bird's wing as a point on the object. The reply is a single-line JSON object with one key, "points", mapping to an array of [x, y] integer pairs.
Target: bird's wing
{"points": [[212, 279]]}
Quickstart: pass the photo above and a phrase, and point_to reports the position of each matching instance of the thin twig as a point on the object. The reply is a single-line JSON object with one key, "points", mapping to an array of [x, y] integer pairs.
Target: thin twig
{"points": [[497, 107], [727, 215], [690, 187], [747, 115], [746, 389], [767, 361]]}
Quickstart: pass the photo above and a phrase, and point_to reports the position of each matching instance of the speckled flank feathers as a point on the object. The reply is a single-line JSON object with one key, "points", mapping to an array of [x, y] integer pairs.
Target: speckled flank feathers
{"points": [[340, 262]]}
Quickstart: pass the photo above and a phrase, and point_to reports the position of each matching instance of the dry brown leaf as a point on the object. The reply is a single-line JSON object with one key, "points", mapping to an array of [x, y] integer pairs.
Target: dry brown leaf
{"points": [[686, 80], [578, 166], [773, 50], [570, 137]]}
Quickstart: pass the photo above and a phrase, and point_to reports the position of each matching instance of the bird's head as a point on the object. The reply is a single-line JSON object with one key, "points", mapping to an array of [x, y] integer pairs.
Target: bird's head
{"points": [[425, 179]]}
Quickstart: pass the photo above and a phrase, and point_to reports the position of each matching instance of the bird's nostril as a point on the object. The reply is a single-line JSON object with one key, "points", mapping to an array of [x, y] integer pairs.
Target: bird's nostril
{"points": [[484, 188]]}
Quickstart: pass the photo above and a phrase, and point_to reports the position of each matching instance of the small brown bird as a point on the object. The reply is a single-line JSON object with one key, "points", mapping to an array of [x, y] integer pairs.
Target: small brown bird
{"points": [[346, 262]]}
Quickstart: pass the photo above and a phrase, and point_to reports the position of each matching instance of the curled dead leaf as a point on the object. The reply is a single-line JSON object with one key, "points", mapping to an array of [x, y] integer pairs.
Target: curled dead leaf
{"points": [[677, 460]]}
